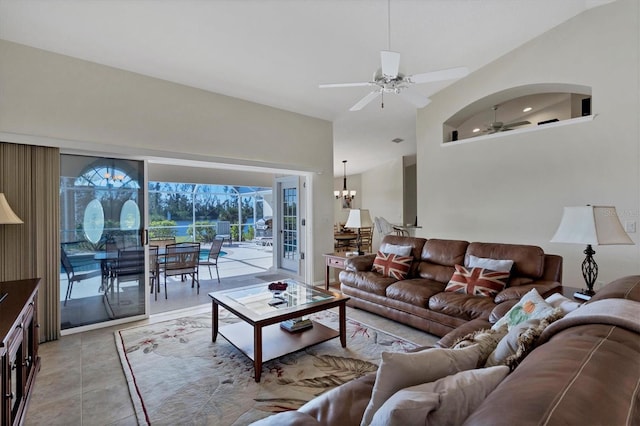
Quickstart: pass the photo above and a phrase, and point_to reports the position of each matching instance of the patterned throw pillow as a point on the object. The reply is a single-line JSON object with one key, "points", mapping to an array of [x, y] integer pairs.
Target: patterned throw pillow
{"points": [[477, 281], [530, 306], [391, 265]]}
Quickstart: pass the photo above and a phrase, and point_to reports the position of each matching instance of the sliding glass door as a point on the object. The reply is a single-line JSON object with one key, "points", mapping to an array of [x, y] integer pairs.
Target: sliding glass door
{"points": [[101, 228]]}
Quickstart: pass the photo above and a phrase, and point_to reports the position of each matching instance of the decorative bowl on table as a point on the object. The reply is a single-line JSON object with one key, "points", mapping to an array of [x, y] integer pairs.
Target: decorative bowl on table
{"points": [[276, 290]]}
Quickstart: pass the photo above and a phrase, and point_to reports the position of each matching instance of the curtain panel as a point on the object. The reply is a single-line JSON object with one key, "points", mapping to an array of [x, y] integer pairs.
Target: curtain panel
{"points": [[30, 180]]}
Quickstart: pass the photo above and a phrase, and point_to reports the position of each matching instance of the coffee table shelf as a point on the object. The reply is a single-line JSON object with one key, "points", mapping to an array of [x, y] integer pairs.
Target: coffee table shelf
{"points": [[276, 342]]}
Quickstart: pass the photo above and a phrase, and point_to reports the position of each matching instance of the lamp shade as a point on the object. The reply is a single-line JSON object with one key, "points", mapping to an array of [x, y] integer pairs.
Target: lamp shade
{"points": [[7, 216], [594, 225], [358, 218]]}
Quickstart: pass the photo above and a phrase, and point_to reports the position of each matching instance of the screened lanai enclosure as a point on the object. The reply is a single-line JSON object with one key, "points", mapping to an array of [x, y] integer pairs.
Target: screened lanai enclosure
{"points": [[198, 212]]}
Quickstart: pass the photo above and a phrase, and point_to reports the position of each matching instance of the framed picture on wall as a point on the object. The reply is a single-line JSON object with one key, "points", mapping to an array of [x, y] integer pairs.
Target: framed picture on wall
{"points": [[346, 203]]}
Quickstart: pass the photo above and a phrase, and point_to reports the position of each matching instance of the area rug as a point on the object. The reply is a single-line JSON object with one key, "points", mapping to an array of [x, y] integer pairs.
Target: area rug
{"points": [[177, 375]]}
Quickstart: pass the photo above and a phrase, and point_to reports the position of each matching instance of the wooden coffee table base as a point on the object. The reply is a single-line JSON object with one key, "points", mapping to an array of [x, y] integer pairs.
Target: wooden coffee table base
{"points": [[268, 342]]}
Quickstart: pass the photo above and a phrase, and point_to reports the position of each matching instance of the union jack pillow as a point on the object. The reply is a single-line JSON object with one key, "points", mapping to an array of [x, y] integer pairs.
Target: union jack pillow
{"points": [[391, 265], [477, 281]]}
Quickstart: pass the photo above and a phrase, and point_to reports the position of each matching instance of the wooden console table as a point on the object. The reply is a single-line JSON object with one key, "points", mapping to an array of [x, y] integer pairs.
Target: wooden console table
{"points": [[333, 260], [19, 360]]}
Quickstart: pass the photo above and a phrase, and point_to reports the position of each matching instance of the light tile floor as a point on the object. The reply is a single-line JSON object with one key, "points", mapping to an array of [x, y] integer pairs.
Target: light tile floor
{"points": [[81, 380]]}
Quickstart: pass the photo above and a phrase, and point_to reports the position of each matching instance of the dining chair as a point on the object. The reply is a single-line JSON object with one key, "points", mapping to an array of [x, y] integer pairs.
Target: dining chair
{"points": [[212, 259], [366, 239], [72, 276]]}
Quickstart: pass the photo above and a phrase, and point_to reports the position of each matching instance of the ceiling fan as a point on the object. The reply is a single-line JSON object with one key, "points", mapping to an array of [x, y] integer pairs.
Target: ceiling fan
{"points": [[388, 79], [499, 126]]}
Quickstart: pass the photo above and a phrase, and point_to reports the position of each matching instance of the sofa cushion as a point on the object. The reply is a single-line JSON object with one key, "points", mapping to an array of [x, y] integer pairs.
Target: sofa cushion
{"points": [[509, 344], [399, 370], [342, 405], [290, 418], [477, 281], [396, 249], [416, 291], [528, 261], [438, 258], [500, 265], [464, 306], [531, 306], [370, 282], [563, 303], [447, 401], [392, 265], [416, 243]]}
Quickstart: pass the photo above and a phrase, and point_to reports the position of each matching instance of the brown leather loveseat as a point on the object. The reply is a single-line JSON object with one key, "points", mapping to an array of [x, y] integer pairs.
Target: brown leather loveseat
{"points": [[420, 300]]}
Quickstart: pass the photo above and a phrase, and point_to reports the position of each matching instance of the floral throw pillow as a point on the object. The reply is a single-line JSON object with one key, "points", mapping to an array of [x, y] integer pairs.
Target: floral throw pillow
{"points": [[391, 265], [477, 281], [530, 306]]}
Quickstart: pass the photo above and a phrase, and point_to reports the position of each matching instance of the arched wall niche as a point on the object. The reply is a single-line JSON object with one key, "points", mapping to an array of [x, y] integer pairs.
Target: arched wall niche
{"points": [[549, 102]]}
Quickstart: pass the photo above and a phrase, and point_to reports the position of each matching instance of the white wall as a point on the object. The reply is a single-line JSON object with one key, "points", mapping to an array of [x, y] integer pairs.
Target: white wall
{"points": [[55, 100], [382, 193], [513, 188]]}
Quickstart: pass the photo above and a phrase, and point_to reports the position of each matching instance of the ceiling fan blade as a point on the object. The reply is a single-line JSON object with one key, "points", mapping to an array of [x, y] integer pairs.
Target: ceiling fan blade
{"points": [[516, 124], [330, 85], [364, 101], [446, 74], [416, 99], [390, 63]]}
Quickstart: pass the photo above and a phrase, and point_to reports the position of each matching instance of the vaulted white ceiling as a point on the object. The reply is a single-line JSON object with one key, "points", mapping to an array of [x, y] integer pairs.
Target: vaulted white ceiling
{"points": [[276, 52]]}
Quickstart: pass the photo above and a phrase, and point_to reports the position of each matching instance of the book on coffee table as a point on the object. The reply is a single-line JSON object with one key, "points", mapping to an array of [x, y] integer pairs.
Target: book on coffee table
{"points": [[296, 324]]}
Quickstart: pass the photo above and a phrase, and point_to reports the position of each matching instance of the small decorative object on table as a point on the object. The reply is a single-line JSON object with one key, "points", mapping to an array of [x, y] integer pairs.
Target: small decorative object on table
{"points": [[276, 289], [296, 324]]}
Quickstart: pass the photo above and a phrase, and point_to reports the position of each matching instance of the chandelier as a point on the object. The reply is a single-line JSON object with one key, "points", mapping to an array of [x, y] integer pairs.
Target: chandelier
{"points": [[346, 194]]}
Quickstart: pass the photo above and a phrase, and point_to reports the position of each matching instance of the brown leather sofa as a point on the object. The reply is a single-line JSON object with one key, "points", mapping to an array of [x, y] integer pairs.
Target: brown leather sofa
{"points": [[420, 300], [583, 372]]}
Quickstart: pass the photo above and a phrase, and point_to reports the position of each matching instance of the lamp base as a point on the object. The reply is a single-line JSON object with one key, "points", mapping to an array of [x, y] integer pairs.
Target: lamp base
{"points": [[583, 295]]}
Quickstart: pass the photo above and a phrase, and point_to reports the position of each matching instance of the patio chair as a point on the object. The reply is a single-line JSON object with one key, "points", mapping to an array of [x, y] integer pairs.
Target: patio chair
{"points": [[72, 276], [212, 259], [182, 259], [154, 270], [128, 267]]}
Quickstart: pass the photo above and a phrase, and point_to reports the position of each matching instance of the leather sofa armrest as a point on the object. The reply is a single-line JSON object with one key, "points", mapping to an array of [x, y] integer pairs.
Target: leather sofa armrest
{"points": [[545, 288], [360, 263]]}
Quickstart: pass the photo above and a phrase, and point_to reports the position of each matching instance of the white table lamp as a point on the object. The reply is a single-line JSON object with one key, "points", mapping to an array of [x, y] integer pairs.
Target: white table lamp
{"points": [[359, 218], [593, 226]]}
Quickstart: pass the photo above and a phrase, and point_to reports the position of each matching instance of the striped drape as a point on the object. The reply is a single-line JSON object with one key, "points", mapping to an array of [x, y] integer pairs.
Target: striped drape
{"points": [[30, 180]]}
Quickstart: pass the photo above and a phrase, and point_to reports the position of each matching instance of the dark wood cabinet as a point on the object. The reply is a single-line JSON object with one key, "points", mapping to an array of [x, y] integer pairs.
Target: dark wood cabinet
{"points": [[19, 361]]}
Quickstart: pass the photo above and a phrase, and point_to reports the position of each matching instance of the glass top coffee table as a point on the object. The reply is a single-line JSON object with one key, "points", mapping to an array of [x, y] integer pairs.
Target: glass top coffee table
{"points": [[259, 335]]}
